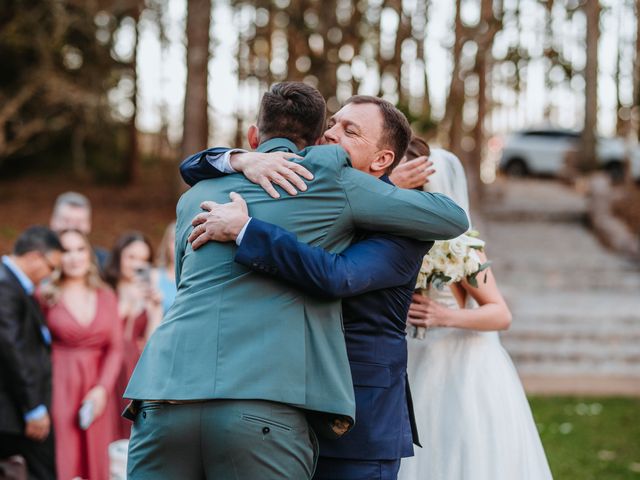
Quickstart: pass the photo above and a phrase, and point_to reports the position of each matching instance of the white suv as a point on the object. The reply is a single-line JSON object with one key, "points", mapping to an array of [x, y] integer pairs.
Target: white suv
{"points": [[544, 151]]}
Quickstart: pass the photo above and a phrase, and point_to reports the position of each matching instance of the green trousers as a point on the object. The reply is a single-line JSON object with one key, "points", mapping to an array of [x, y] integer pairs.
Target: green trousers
{"points": [[221, 440]]}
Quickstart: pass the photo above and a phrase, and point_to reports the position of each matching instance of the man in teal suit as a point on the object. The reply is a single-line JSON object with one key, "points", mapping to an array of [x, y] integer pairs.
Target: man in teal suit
{"points": [[240, 361]]}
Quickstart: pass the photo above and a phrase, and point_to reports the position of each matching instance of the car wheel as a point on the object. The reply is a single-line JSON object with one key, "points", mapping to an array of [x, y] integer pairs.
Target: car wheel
{"points": [[516, 168], [615, 170]]}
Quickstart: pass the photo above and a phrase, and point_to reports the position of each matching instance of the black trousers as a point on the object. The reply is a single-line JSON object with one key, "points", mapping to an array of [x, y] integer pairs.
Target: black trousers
{"points": [[40, 456]]}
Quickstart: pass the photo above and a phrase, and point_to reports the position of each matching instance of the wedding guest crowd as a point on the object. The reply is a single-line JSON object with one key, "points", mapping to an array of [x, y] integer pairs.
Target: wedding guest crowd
{"points": [[73, 320]]}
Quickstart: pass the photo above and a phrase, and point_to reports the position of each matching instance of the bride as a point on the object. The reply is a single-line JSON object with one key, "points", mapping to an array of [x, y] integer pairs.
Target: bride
{"points": [[473, 417]]}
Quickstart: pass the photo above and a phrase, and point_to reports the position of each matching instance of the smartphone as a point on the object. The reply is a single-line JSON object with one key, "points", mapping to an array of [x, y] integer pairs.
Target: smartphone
{"points": [[144, 275], [86, 414]]}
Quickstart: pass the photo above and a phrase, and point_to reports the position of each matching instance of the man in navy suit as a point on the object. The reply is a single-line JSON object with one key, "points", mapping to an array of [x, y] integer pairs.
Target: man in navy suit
{"points": [[377, 273]]}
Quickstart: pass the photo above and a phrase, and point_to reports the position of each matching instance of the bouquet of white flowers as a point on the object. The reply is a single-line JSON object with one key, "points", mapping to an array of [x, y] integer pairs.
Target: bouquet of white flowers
{"points": [[451, 261]]}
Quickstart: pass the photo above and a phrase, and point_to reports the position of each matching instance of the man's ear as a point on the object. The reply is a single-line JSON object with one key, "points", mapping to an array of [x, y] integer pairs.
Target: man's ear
{"points": [[253, 136], [384, 159]]}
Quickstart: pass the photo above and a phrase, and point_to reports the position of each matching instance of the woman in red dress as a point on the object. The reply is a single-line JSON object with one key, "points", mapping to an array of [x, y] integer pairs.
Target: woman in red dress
{"points": [[82, 314], [139, 305]]}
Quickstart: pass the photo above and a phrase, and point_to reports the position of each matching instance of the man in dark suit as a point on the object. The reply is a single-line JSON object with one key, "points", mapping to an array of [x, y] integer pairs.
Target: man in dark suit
{"points": [[378, 273], [25, 364]]}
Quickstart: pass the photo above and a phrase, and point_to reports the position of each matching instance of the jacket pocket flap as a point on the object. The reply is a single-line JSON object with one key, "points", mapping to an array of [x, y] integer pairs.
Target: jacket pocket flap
{"points": [[370, 375]]}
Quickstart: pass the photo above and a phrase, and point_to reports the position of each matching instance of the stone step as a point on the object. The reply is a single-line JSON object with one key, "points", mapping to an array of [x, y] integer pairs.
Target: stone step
{"points": [[586, 384], [562, 278], [623, 351], [547, 321], [580, 305], [560, 366], [559, 338]]}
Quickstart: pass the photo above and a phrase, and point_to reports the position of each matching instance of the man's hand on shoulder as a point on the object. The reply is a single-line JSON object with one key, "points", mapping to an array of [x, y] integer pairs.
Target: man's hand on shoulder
{"points": [[274, 168], [220, 222]]}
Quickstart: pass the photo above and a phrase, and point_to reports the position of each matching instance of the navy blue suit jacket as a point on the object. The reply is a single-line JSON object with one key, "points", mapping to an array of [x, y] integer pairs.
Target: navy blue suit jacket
{"points": [[378, 275]]}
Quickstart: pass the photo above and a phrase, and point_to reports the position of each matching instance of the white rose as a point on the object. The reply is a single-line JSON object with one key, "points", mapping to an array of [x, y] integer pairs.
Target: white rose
{"points": [[472, 263], [457, 247], [454, 270], [439, 261]]}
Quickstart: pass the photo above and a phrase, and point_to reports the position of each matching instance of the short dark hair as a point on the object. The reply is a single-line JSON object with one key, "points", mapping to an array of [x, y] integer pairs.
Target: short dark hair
{"points": [[292, 110], [112, 272], [418, 147], [396, 131], [37, 239]]}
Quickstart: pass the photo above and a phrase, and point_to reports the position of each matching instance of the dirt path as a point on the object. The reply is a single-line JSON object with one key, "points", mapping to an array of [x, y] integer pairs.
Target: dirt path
{"points": [[576, 306]]}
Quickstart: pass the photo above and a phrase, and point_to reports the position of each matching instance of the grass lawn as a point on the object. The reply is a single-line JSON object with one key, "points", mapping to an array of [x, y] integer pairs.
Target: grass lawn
{"points": [[590, 438]]}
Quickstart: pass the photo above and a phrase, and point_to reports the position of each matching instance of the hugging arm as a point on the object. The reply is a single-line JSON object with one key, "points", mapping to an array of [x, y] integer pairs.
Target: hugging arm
{"points": [[201, 165], [380, 207], [374, 263], [264, 169]]}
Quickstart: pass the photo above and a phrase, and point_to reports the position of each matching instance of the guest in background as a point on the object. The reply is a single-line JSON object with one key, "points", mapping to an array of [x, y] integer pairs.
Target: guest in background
{"points": [[139, 304], [73, 211], [25, 376], [164, 276], [414, 169], [82, 313]]}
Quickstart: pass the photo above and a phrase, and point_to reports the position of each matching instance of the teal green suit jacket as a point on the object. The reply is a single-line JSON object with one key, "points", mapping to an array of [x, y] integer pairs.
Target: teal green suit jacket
{"points": [[236, 334]]}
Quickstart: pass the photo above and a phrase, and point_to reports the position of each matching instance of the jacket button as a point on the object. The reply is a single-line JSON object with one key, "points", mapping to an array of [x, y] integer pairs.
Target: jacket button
{"points": [[266, 430], [144, 414]]}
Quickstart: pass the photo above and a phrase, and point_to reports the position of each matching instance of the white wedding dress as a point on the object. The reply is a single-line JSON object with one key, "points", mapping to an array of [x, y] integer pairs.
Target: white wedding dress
{"points": [[473, 417]]}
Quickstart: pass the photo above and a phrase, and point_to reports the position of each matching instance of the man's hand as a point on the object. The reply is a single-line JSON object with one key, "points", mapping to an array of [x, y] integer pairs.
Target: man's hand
{"points": [[38, 429], [274, 168], [220, 223], [412, 173]]}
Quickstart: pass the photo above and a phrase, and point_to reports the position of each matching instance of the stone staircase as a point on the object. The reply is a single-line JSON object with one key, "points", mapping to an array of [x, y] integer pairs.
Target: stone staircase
{"points": [[575, 305]]}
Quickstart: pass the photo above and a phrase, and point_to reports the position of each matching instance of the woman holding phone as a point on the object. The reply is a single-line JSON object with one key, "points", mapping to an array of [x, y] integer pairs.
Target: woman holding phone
{"points": [[82, 315], [139, 305]]}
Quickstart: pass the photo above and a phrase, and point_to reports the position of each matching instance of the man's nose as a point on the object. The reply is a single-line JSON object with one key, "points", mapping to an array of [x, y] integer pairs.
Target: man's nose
{"points": [[331, 135]]}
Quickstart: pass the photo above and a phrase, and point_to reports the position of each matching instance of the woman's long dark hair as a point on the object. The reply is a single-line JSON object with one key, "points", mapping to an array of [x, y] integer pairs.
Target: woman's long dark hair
{"points": [[112, 271]]}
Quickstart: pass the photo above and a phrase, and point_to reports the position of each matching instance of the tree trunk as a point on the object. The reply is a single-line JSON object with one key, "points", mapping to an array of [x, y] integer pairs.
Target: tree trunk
{"points": [[196, 121], [475, 159], [551, 55], [420, 36], [589, 161], [132, 163], [636, 71], [451, 126]]}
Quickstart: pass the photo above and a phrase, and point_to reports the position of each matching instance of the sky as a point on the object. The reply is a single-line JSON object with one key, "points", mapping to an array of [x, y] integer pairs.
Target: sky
{"points": [[162, 75]]}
